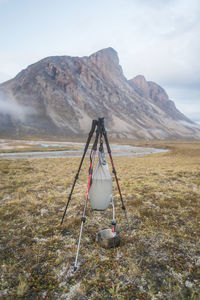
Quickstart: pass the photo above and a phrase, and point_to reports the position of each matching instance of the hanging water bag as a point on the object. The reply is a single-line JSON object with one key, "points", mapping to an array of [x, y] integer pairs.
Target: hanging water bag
{"points": [[100, 193]]}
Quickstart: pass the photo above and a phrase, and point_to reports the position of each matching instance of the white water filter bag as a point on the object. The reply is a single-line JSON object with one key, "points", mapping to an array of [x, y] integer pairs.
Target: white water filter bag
{"points": [[100, 193]]}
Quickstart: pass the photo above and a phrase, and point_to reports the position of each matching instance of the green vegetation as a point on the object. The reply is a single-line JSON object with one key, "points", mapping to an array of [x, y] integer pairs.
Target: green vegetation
{"points": [[159, 257]]}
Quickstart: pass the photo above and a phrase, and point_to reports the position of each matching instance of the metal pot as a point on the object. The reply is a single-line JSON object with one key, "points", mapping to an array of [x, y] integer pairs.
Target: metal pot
{"points": [[108, 239]]}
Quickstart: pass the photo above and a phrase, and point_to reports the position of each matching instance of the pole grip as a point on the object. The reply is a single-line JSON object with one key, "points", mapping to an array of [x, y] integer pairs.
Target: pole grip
{"points": [[94, 123], [94, 147]]}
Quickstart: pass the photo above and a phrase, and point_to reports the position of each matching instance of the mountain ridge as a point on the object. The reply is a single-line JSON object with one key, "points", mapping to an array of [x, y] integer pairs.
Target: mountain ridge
{"points": [[60, 95]]}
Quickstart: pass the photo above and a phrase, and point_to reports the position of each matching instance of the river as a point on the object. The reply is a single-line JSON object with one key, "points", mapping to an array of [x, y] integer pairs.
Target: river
{"points": [[117, 150]]}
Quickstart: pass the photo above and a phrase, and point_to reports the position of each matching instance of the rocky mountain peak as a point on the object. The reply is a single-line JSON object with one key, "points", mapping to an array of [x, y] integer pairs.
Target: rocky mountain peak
{"points": [[105, 55], [140, 85], [107, 61], [60, 95], [156, 94], [149, 89], [140, 80]]}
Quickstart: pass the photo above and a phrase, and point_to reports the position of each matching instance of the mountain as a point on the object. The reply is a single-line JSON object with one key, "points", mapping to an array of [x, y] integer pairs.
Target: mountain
{"points": [[60, 95]]}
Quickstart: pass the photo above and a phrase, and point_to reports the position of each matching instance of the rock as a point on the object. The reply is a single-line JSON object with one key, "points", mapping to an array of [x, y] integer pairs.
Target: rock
{"points": [[60, 95]]}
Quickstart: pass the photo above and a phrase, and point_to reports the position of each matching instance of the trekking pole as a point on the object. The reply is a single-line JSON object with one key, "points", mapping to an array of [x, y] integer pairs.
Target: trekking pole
{"points": [[115, 173], [94, 124], [83, 219]]}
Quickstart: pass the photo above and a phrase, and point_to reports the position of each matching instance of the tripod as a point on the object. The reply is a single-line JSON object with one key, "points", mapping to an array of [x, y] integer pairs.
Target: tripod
{"points": [[100, 133]]}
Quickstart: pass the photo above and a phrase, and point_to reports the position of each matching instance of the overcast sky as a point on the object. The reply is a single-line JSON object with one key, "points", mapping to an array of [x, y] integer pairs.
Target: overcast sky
{"points": [[157, 38]]}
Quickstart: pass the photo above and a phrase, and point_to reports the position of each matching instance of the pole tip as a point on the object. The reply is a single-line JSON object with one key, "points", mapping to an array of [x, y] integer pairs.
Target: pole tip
{"points": [[75, 268]]}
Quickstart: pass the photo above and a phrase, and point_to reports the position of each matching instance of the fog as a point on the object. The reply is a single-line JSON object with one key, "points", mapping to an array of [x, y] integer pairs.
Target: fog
{"points": [[11, 108]]}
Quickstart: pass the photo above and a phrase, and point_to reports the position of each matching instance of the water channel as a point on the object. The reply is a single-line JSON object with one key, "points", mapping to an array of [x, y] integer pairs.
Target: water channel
{"points": [[117, 150]]}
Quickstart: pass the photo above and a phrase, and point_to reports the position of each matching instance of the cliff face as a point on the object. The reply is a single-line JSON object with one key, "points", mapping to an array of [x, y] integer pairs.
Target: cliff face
{"points": [[61, 95], [157, 95]]}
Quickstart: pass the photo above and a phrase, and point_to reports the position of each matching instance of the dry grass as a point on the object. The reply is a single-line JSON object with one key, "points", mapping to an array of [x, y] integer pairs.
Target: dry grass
{"points": [[19, 147], [159, 257]]}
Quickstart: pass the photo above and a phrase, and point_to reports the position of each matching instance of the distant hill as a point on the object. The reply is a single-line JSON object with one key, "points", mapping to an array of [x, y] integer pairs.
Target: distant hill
{"points": [[60, 95]]}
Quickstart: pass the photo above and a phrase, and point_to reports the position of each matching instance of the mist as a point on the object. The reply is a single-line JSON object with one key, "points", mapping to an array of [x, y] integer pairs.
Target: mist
{"points": [[11, 108]]}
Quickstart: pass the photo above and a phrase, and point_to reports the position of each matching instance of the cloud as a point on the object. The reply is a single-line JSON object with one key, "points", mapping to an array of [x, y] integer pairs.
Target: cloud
{"points": [[160, 41], [8, 106], [187, 100], [13, 110], [156, 38], [11, 63]]}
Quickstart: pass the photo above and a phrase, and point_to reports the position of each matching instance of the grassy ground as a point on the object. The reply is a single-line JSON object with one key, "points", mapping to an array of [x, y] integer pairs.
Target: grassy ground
{"points": [[25, 147], [39, 149], [159, 257]]}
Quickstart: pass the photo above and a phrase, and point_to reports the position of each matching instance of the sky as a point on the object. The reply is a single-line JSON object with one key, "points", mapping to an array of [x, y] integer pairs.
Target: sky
{"points": [[159, 39]]}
